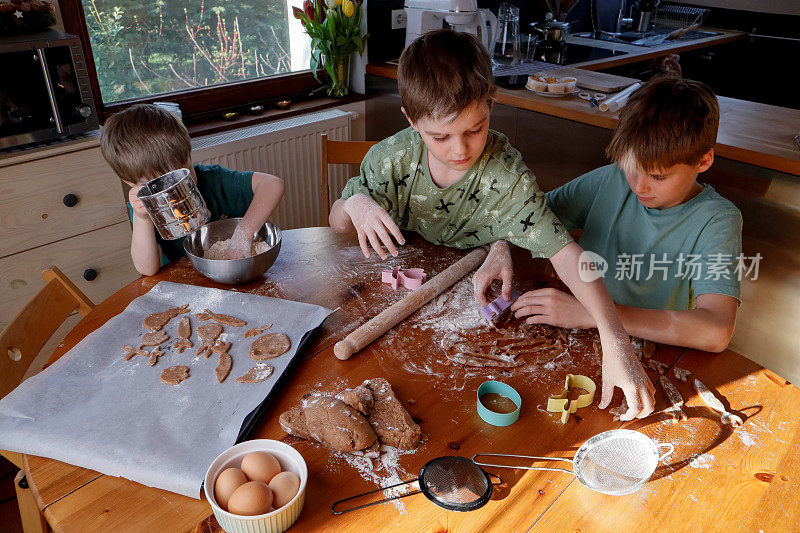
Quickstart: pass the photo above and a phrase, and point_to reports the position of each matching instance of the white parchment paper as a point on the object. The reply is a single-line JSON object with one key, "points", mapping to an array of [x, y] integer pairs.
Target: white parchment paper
{"points": [[94, 409]]}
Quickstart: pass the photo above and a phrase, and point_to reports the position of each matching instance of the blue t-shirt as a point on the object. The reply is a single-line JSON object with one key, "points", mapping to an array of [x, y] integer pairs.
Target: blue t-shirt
{"points": [[656, 258]]}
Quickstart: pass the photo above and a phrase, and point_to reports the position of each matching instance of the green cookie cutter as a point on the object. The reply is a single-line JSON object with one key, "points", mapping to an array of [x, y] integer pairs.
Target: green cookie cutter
{"points": [[559, 402], [495, 418]]}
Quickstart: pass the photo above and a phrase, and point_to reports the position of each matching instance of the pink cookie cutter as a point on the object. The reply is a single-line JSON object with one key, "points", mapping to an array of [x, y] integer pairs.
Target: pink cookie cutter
{"points": [[411, 278]]}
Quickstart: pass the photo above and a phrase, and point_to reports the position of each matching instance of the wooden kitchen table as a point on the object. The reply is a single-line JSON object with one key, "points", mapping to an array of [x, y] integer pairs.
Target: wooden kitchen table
{"points": [[717, 479]]}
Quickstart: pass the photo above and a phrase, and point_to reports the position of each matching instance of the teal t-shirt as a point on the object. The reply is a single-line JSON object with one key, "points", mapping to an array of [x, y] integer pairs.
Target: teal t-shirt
{"points": [[227, 194], [657, 259]]}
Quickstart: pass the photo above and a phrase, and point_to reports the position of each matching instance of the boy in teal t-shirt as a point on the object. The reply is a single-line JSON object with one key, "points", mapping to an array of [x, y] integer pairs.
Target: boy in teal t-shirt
{"points": [[455, 182], [144, 142], [670, 247]]}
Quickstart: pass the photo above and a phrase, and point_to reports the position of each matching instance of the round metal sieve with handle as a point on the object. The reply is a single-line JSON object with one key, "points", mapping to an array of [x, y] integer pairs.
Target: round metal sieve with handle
{"points": [[615, 462], [451, 482]]}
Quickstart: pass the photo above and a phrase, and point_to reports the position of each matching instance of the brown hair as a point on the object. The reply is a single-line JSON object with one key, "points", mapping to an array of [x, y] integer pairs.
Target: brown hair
{"points": [[668, 121], [144, 142], [442, 73]]}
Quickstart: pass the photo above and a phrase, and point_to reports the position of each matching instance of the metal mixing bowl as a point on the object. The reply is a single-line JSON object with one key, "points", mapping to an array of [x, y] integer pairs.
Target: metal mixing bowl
{"points": [[233, 271]]}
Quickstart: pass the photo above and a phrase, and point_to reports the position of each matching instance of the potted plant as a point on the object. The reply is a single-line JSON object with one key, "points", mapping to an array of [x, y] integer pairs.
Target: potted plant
{"points": [[335, 30]]}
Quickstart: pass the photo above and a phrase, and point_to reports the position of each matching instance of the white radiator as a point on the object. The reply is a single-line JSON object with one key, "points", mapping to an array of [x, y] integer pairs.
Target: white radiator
{"points": [[289, 149]]}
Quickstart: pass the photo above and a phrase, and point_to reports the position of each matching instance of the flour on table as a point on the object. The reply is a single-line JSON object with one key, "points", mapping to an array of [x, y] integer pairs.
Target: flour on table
{"points": [[747, 438], [384, 471], [456, 313], [702, 461]]}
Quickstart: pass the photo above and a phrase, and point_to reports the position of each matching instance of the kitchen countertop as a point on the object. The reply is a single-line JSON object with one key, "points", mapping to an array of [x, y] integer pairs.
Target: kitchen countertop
{"points": [[750, 132]]}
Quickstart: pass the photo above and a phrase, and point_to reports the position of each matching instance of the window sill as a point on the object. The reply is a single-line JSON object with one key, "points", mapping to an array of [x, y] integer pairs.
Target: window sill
{"points": [[206, 127]]}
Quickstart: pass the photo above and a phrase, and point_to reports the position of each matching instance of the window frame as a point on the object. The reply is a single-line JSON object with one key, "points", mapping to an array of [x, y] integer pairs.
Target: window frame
{"points": [[196, 104]]}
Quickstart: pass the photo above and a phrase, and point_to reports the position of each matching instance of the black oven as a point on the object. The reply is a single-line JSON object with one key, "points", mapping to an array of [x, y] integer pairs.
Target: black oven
{"points": [[44, 89]]}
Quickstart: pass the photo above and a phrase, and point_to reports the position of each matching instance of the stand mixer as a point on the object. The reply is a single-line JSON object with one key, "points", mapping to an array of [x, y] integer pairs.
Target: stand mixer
{"points": [[460, 15]]}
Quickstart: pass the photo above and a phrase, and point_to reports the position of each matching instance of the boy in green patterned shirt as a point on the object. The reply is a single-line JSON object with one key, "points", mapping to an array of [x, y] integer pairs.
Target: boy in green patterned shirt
{"points": [[455, 182]]}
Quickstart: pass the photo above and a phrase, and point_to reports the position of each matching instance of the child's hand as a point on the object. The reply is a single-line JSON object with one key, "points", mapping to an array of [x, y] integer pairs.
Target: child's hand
{"points": [[622, 369], [137, 205], [551, 306], [373, 224], [240, 246], [497, 265]]}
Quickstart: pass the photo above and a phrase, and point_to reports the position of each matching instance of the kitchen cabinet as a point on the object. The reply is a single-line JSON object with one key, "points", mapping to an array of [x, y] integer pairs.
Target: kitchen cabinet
{"points": [[63, 206]]}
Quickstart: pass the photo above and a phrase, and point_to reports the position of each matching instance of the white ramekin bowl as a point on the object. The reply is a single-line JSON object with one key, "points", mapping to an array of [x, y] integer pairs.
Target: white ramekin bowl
{"points": [[272, 522]]}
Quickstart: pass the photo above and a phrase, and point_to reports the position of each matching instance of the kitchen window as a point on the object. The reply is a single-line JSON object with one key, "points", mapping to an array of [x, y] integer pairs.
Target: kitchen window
{"points": [[207, 55]]}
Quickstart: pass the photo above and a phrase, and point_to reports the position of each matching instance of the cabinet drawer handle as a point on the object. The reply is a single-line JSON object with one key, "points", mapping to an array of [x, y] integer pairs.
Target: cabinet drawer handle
{"points": [[89, 274], [70, 200]]}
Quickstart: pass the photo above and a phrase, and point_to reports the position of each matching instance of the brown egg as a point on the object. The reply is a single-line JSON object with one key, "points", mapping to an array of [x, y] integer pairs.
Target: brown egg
{"points": [[284, 487], [252, 498], [260, 466], [227, 481]]}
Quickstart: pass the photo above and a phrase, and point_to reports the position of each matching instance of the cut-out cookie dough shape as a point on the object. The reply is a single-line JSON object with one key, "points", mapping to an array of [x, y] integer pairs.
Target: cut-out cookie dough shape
{"points": [[154, 355], [559, 403], [223, 367], [174, 375], [256, 331], [130, 351], [184, 332], [156, 321], [221, 347], [154, 338], [269, 346], [225, 320], [208, 334], [658, 366], [681, 374], [712, 401]]}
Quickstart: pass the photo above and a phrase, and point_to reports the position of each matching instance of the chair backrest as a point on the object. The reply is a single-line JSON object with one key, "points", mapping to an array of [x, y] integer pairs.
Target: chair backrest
{"points": [[341, 153], [30, 330]]}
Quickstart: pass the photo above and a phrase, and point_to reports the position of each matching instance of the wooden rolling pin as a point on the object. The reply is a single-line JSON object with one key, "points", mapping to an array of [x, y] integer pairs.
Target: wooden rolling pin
{"points": [[391, 316]]}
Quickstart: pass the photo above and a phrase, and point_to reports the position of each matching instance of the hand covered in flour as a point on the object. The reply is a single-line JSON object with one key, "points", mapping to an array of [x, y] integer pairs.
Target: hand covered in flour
{"points": [[622, 369], [240, 245], [373, 224], [554, 307], [497, 265]]}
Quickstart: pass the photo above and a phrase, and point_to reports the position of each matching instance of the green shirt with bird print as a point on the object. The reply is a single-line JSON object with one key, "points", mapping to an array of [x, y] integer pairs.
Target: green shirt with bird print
{"points": [[497, 198]]}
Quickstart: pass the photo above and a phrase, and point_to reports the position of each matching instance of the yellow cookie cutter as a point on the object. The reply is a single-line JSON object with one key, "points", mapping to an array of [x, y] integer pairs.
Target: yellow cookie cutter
{"points": [[559, 402]]}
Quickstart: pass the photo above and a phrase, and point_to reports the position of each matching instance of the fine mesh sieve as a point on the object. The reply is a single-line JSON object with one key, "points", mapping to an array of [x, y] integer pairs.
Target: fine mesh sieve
{"points": [[451, 482], [615, 462]]}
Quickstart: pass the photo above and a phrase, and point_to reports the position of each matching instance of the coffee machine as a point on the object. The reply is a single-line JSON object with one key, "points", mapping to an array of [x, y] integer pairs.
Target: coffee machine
{"points": [[460, 15]]}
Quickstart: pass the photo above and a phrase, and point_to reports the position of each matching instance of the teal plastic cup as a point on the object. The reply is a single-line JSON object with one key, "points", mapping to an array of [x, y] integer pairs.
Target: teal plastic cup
{"points": [[495, 418]]}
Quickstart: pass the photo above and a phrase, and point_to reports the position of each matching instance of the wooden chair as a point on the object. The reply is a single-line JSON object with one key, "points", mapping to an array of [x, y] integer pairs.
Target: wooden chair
{"points": [[20, 343], [341, 153]]}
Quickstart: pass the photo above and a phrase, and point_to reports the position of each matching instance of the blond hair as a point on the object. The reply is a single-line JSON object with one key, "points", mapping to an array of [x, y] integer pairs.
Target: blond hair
{"points": [[442, 73], [144, 142], [668, 121]]}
